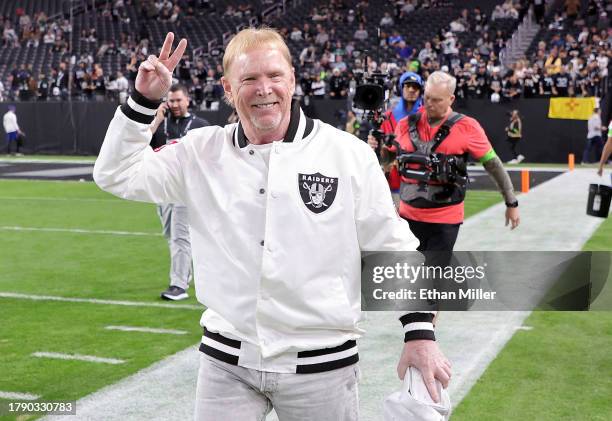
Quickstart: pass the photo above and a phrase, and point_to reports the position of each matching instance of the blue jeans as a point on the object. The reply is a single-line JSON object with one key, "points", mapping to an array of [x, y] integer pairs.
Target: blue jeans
{"points": [[11, 138], [593, 144]]}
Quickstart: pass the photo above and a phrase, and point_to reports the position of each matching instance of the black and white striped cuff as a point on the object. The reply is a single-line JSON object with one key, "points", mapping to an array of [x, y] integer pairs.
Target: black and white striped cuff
{"points": [[220, 347], [418, 326], [327, 359], [140, 108], [314, 361]]}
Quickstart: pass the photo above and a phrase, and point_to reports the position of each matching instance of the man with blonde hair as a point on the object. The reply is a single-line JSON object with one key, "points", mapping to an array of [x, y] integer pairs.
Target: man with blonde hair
{"points": [[434, 207], [280, 208]]}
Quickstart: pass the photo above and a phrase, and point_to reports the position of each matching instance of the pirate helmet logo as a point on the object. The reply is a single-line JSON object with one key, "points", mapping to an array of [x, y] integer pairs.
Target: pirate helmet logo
{"points": [[317, 191]]}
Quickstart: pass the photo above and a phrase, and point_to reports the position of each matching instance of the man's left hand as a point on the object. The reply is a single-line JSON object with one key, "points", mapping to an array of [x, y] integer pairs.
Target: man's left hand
{"points": [[512, 217], [425, 355]]}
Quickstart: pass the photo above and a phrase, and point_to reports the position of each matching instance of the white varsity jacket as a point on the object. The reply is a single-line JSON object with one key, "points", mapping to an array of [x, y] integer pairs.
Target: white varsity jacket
{"points": [[276, 249]]}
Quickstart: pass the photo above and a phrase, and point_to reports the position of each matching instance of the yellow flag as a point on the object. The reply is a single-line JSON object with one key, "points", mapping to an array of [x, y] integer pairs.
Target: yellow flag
{"points": [[571, 108]]}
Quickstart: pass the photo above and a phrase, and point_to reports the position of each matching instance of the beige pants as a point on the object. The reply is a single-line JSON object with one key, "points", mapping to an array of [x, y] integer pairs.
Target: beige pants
{"points": [[175, 227]]}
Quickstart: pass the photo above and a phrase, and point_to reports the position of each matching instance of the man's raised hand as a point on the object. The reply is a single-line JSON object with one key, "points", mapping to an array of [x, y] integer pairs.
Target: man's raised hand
{"points": [[154, 76]]}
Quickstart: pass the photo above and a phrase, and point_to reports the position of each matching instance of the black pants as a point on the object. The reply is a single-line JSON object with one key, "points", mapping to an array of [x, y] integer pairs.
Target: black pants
{"points": [[10, 144], [436, 243], [513, 145], [434, 237]]}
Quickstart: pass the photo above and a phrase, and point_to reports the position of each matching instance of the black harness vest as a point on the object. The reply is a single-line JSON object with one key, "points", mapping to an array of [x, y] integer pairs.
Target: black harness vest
{"points": [[424, 165]]}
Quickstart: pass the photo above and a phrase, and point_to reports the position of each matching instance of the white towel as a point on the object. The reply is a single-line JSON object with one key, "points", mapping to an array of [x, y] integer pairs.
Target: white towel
{"points": [[413, 403]]}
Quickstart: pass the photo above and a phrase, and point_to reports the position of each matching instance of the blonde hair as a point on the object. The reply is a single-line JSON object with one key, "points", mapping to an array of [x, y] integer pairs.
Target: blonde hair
{"points": [[251, 39], [438, 78]]}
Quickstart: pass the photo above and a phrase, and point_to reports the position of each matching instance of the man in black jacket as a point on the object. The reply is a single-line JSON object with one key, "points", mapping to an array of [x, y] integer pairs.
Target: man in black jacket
{"points": [[171, 123]]}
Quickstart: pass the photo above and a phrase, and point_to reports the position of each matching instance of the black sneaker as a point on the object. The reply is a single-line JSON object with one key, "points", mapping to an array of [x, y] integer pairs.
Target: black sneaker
{"points": [[174, 293]]}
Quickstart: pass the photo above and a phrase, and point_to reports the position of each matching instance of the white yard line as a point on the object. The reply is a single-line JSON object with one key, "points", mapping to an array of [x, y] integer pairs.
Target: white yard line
{"points": [[78, 357], [15, 396], [79, 231], [46, 161], [63, 199], [146, 330], [559, 168], [99, 301], [163, 391], [52, 172]]}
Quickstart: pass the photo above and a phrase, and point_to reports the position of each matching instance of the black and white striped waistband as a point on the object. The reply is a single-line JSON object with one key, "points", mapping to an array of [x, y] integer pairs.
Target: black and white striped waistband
{"points": [[313, 361]]}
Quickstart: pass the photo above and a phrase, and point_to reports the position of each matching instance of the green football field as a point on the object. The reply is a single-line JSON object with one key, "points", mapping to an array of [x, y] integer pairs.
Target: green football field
{"points": [[70, 240], [561, 369], [103, 261]]}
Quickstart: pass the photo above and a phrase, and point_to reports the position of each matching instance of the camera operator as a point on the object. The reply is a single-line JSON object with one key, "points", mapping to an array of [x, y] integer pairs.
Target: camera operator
{"points": [[171, 123], [433, 206], [410, 86]]}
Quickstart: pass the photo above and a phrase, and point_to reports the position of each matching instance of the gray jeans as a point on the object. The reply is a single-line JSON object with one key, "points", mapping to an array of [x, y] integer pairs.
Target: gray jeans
{"points": [[228, 392], [175, 227]]}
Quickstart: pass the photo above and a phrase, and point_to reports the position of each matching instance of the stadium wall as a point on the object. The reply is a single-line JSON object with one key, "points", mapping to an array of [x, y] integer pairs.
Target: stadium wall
{"points": [[544, 139], [78, 128]]}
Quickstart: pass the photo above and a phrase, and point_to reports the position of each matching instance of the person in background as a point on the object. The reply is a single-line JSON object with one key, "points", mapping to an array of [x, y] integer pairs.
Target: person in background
{"points": [[352, 124], [12, 130], [514, 134], [607, 151], [435, 211], [594, 141], [410, 89], [172, 122]]}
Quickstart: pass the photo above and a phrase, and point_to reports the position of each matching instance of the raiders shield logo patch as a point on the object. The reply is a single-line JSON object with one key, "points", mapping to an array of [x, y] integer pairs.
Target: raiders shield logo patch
{"points": [[317, 190]]}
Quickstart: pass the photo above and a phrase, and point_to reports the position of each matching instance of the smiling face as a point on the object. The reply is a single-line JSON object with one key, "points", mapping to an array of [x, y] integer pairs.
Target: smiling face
{"points": [[260, 85]]}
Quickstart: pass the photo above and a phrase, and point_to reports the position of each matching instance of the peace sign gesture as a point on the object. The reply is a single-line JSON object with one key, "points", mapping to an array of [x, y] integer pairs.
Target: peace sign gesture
{"points": [[155, 73]]}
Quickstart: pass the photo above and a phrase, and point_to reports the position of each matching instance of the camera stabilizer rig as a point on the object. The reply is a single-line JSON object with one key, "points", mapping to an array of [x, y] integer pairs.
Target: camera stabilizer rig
{"points": [[372, 95], [438, 167]]}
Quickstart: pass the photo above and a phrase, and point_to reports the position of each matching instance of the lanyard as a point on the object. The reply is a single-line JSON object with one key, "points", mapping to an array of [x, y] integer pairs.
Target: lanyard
{"points": [[183, 132]]}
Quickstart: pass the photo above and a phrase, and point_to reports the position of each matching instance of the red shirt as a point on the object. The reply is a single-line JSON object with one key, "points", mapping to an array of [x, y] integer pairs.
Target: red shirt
{"points": [[389, 124], [465, 136], [388, 127]]}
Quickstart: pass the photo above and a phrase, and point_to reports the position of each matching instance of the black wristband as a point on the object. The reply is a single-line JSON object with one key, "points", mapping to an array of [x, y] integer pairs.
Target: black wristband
{"points": [[418, 326], [512, 204], [139, 108]]}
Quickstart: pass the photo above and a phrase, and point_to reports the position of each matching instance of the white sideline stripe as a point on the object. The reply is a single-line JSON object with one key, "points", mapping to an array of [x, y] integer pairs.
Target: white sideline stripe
{"points": [[146, 330], [64, 199], [559, 169], [329, 357], [221, 347], [45, 161], [80, 231], [98, 301], [137, 107], [524, 328], [18, 396], [57, 172], [78, 357], [418, 326]]}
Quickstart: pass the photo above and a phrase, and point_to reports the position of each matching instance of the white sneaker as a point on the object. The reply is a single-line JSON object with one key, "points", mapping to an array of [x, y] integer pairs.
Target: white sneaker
{"points": [[520, 158], [512, 161]]}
